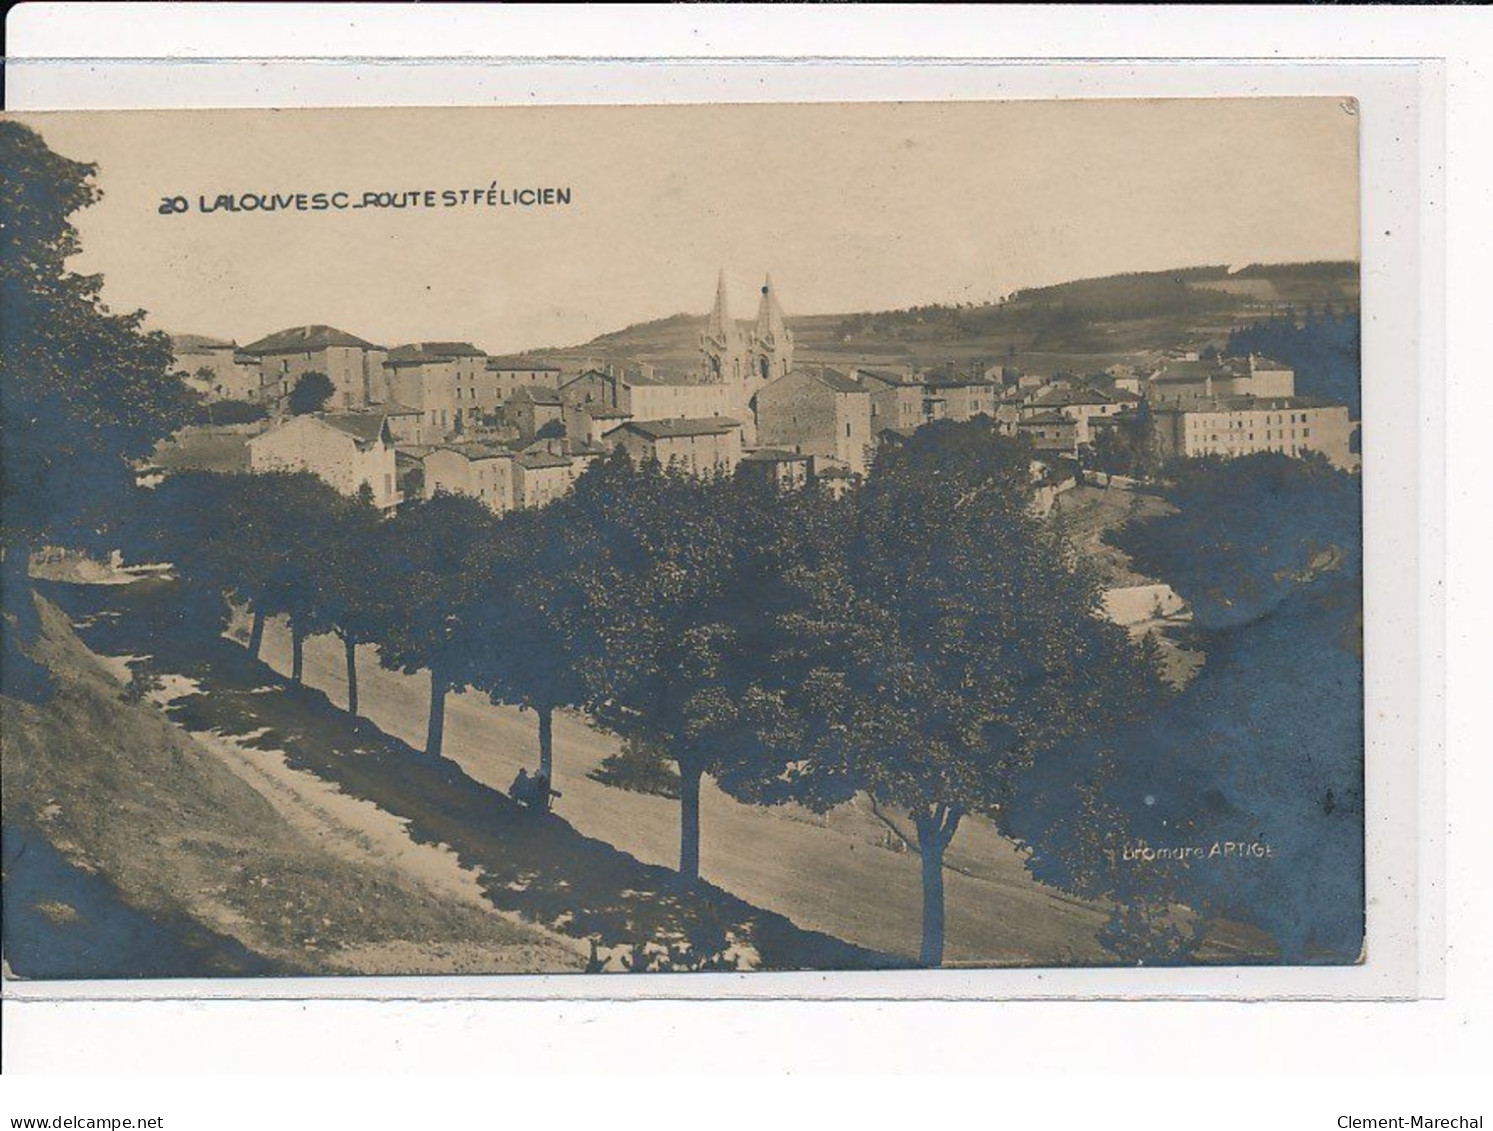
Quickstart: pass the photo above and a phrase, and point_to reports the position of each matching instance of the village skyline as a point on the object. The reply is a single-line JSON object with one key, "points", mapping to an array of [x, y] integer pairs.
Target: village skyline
{"points": [[887, 206]]}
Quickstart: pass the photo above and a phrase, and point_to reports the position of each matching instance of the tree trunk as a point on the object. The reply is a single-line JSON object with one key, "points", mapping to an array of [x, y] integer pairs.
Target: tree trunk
{"points": [[15, 590], [297, 650], [547, 743], [256, 634], [689, 822], [350, 646], [935, 830], [436, 731]]}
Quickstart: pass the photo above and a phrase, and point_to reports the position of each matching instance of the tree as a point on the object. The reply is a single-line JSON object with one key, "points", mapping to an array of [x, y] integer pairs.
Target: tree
{"points": [[945, 641], [532, 597], [669, 582], [311, 393], [1246, 532], [1258, 762], [434, 559], [353, 582], [83, 391]]}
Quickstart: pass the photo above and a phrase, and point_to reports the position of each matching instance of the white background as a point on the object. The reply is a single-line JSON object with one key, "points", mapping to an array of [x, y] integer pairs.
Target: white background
{"points": [[1305, 1046]]}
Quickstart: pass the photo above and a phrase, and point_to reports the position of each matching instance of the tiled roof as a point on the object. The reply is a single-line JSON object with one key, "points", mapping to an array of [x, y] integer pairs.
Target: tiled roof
{"points": [[604, 412], [534, 461], [538, 394], [420, 353], [366, 427], [669, 429], [522, 364], [1046, 418], [888, 376], [474, 451], [306, 339], [188, 343], [392, 408], [773, 455], [1248, 403], [1052, 398], [838, 381]]}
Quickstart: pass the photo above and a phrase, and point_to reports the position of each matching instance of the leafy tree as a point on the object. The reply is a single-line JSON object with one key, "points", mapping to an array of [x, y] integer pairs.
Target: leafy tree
{"points": [[533, 595], [434, 560], [944, 642], [1325, 352], [353, 582], [1248, 531], [670, 580], [83, 391], [1261, 753], [311, 393], [259, 539]]}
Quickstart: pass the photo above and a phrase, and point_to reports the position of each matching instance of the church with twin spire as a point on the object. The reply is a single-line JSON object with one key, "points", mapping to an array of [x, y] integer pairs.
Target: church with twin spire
{"points": [[745, 355]]}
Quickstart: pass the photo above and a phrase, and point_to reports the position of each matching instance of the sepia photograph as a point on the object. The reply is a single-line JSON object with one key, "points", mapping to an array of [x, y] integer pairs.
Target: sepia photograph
{"points": [[601, 540]]}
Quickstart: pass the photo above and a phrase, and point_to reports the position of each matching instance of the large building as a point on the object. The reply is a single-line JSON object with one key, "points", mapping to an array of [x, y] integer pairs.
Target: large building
{"points": [[440, 381], [817, 412], [1079, 404], [507, 375], [645, 393], [348, 451], [479, 471], [697, 446], [896, 398], [1237, 426], [215, 368], [354, 366], [744, 356], [1191, 379]]}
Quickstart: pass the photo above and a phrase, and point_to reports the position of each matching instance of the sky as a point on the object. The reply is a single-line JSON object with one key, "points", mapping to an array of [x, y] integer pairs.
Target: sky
{"points": [[850, 207]]}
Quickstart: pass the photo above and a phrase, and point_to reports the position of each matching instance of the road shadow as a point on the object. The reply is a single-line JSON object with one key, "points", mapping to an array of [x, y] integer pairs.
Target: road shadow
{"points": [[535, 865]]}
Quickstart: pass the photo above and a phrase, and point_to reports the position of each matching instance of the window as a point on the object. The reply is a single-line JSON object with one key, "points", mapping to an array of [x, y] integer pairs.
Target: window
{"points": [[1306, 432], [847, 429]]}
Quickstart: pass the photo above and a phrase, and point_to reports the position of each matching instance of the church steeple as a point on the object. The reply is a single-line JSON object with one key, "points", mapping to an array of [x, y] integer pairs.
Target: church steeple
{"points": [[720, 327], [769, 316]]}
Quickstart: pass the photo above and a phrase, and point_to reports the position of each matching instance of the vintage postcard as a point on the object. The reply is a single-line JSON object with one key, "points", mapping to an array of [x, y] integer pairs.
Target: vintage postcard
{"points": [[701, 538]]}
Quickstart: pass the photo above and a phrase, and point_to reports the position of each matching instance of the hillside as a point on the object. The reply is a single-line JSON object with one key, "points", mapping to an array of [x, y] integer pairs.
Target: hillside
{"points": [[1081, 324]]}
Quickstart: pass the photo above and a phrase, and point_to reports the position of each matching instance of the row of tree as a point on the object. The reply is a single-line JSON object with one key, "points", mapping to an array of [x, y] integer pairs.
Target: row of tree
{"points": [[922, 640]]}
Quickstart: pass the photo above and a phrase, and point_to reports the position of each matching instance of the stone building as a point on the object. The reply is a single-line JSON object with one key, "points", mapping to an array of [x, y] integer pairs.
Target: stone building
{"points": [[699, 446], [354, 366], [1190, 379], [478, 471], [1237, 426], [347, 451], [440, 381], [507, 375], [818, 412], [217, 369]]}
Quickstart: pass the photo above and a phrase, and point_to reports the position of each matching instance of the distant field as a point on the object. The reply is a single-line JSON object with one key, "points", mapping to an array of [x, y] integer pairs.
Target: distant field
{"points": [[1083, 325]]}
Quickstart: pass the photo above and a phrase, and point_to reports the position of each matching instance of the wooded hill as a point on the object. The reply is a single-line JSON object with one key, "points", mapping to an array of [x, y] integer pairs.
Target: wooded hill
{"points": [[1074, 324]]}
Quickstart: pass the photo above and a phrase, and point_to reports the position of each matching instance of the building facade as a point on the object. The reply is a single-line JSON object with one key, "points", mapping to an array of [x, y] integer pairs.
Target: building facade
{"points": [[699, 447], [1238, 426], [347, 451], [354, 366], [478, 471], [818, 412], [743, 356]]}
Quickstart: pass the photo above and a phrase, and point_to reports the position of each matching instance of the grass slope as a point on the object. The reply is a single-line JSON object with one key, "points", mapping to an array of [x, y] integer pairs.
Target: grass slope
{"points": [[145, 854]]}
